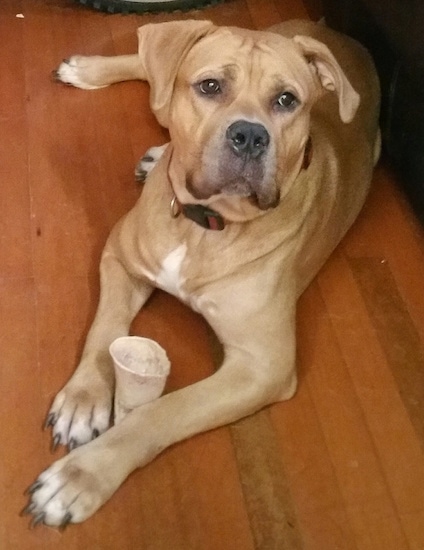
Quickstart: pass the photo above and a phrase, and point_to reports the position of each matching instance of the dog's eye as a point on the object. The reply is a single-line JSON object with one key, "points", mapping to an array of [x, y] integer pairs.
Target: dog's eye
{"points": [[287, 101], [210, 86]]}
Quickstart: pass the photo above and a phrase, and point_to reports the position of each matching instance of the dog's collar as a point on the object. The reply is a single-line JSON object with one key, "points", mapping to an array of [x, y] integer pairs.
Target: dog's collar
{"points": [[211, 219], [202, 215]]}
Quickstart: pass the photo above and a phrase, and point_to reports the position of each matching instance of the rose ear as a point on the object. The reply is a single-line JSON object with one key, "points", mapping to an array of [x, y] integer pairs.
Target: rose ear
{"points": [[330, 74], [161, 48]]}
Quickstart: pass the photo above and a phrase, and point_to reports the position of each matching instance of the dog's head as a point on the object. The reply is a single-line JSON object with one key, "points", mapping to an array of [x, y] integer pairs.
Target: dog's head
{"points": [[237, 104]]}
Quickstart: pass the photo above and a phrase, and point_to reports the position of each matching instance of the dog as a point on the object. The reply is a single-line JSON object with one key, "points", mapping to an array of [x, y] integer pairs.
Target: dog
{"points": [[273, 139]]}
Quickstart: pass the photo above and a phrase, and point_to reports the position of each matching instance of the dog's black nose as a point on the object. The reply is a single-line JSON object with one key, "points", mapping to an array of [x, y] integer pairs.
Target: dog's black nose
{"points": [[247, 138]]}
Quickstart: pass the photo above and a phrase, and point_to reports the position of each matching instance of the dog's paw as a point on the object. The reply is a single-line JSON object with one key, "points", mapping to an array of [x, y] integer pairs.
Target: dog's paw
{"points": [[80, 412], [148, 162], [77, 71], [71, 490]]}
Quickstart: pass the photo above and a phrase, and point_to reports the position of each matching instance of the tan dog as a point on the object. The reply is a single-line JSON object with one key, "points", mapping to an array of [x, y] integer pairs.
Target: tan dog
{"points": [[274, 136]]}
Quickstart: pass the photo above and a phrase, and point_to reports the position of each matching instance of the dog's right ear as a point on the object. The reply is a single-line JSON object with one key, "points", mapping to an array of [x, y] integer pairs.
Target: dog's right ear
{"points": [[162, 47]]}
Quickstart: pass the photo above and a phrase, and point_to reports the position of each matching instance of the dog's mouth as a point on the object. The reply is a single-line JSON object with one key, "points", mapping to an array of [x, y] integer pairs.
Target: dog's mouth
{"points": [[239, 178], [262, 196]]}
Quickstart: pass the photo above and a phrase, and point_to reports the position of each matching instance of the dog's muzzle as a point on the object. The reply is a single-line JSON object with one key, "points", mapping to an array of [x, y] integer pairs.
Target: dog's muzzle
{"points": [[240, 167], [245, 161]]}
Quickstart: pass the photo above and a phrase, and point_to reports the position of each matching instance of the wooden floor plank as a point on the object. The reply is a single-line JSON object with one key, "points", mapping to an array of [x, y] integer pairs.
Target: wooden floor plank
{"points": [[15, 233], [265, 485], [313, 482], [20, 406], [396, 332], [397, 445], [351, 447], [15, 222], [394, 236]]}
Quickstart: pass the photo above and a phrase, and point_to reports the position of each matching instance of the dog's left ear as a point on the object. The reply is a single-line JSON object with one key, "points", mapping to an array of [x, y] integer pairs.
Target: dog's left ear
{"points": [[161, 48], [330, 74]]}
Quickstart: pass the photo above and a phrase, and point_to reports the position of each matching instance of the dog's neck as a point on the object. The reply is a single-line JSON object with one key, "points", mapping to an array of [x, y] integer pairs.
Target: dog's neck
{"points": [[218, 210]]}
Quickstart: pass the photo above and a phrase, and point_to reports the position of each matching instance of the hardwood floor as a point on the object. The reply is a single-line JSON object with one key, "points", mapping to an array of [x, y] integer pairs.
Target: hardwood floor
{"points": [[340, 466]]}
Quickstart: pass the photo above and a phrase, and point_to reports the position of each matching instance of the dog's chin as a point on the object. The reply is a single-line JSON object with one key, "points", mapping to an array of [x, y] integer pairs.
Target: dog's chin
{"points": [[262, 196], [239, 188]]}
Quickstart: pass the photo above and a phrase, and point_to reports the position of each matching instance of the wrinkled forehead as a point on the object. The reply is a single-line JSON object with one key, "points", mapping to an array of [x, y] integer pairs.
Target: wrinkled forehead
{"points": [[260, 57]]}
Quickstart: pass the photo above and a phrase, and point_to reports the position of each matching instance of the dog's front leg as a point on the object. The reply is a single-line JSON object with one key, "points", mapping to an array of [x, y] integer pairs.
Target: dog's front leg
{"points": [[258, 369], [81, 410], [92, 72]]}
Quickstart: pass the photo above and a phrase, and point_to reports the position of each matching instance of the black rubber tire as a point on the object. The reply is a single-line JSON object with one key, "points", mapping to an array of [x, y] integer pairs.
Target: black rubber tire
{"points": [[128, 6]]}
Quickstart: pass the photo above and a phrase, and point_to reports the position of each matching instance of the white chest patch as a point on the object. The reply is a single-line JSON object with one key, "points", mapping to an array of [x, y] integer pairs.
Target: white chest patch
{"points": [[169, 276]]}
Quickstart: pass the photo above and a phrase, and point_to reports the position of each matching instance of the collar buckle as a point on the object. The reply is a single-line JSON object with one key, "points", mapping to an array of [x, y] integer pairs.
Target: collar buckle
{"points": [[175, 207]]}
